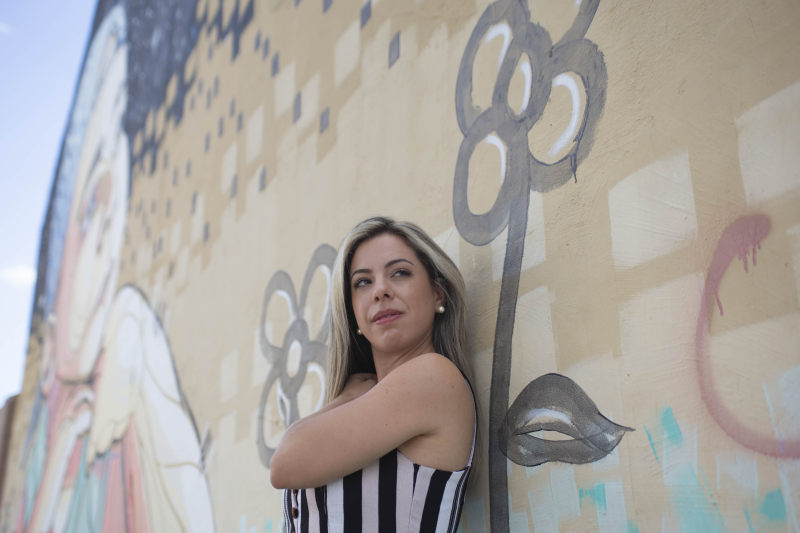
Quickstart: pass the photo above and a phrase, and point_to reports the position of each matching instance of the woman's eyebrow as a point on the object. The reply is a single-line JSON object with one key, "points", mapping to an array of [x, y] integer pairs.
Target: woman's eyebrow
{"points": [[395, 261], [387, 265]]}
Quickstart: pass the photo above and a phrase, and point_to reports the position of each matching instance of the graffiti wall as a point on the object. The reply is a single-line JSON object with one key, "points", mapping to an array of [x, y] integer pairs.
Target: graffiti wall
{"points": [[617, 181]]}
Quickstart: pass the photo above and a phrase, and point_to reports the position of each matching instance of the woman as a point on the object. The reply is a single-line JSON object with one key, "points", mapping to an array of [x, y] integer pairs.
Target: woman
{"points": [[392, 449]]}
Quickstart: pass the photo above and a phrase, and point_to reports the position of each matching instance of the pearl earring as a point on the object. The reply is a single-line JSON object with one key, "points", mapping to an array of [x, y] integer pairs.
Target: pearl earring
{"points": [[440, 309], [358, 331]]}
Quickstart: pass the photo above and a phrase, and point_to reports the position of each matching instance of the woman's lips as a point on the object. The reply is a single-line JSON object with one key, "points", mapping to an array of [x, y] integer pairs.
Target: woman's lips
{"points": [[556, 403], [384, 317]]}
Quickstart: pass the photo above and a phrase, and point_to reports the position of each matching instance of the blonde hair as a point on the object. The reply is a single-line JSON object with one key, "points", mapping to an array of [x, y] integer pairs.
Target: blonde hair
{"points": [[351, 353]]}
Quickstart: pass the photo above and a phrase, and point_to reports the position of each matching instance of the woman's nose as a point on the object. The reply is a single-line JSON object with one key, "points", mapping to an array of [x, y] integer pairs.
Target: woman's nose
{"points": [[381, 289]]}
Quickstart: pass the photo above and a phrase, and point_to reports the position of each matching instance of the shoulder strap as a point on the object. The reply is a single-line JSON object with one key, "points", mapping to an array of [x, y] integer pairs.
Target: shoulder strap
{"points": [[475, 428]]}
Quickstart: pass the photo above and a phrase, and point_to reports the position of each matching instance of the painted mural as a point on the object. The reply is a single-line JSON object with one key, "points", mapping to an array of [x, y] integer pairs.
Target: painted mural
{"points": [[617, 182]]}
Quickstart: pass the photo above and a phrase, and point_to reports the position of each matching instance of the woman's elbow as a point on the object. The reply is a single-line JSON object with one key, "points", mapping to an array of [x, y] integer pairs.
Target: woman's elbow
{"points": [[278, 475]]}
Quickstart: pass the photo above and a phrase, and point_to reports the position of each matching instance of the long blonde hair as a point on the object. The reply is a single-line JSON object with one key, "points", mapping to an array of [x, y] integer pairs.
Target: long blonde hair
{"points": [[351, 353]]}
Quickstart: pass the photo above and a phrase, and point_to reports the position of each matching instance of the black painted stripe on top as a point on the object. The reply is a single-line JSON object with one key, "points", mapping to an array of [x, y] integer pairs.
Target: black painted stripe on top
{"points": [[387, 493], [303, 512], [351, 488], [433, 500], [320, 494]]}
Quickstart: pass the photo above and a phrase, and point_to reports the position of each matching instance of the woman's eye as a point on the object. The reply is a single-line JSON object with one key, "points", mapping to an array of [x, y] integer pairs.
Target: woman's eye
{"points": [[400, 273], [360, 283]]}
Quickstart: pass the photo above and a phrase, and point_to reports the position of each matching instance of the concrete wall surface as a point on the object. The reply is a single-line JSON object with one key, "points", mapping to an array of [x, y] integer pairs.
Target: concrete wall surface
{"points": [[619, 183]]}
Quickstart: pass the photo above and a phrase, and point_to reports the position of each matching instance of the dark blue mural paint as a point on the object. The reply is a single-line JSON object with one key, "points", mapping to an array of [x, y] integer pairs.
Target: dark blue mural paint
{"points": [[394, 49]]}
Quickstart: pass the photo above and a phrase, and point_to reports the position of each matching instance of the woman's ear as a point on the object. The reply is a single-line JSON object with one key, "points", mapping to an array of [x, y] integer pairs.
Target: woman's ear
{"points": [[439, 296]]}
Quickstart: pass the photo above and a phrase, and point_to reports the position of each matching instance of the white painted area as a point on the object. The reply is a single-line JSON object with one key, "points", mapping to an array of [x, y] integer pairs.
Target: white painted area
{"points": [[533, 347], [789, 472], [255, 134], [674, 459], [789, 384], [175, 240], [499, 30], [198, 220], [525, 68], [309, 102], [669, 524], [260, 367], [284, 89], [794, 239], [502, 154], [518, 521], [769, 137], [568, 135], [543, 509], [788, 469], [181, 267], [293, 358], [776, 344], [737, 469], [565, 491], [614, 518], [228, 169], [652, 211], [346, 53], [227, 429], [228, 376], [449, 241]]}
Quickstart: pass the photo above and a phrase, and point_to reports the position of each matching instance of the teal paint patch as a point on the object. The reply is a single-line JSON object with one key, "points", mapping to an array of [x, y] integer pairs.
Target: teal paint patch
{"points": [[597, 494], [671, 428], [695, 511], [749, 521], [773, 506], [632, 528], [652, 444]]}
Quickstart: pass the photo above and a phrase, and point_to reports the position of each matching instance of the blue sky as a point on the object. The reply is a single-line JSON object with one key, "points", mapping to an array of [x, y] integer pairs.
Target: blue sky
{"points": [[41, 49]]}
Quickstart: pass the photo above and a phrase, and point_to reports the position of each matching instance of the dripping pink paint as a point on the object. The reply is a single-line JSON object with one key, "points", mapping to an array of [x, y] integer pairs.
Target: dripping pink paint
{"points": [[740, 240]]}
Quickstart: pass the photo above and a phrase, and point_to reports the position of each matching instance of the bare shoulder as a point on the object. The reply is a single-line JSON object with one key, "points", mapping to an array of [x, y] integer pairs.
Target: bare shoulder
{"points": [[433, 374]]}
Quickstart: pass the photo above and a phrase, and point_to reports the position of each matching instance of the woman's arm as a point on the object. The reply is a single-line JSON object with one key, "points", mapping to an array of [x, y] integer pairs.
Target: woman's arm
{"points": [[414, 399]]}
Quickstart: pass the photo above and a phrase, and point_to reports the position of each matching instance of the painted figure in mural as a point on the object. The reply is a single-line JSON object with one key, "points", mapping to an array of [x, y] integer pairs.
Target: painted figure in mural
{"points": [[112, 445], [393, 447]]}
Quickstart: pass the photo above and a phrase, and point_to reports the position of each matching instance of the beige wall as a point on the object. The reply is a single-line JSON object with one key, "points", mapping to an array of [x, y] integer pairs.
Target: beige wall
{"points": [[654, 257]]}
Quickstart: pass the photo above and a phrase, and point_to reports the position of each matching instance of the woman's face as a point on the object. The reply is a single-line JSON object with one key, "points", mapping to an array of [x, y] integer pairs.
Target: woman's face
{"points": [[393, 299]]}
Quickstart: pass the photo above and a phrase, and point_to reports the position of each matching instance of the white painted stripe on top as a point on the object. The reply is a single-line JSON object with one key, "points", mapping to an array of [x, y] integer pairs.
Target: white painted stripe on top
{"points": [[335, 506], [420, 492], [405, 492], [313, 510], [369, 497]]}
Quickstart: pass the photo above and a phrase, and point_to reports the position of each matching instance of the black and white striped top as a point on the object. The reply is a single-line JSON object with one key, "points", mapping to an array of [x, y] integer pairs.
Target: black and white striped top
{"points": [[391, 495]]}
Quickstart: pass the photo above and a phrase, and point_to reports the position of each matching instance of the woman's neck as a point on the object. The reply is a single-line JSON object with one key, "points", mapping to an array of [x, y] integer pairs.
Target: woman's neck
{"points": [[386, 362]]}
